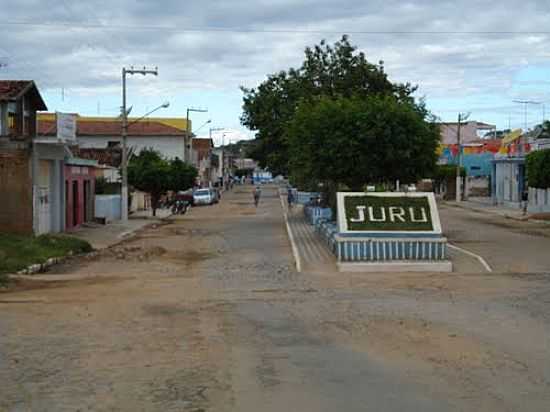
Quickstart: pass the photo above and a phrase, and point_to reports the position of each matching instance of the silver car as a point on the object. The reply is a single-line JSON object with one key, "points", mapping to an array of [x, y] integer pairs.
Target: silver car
{"points": [[204, 197]]}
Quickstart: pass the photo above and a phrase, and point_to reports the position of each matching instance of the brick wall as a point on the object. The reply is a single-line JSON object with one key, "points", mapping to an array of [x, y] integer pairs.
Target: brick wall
{"points": [[15, 191]]}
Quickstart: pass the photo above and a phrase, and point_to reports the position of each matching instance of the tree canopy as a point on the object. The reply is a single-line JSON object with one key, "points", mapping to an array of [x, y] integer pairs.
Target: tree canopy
{"points": [[336, 71], [339, 118], [151, 173], [355, 141]]}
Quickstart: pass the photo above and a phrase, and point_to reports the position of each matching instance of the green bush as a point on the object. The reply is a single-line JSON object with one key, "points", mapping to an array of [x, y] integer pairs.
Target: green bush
{"points": [[538, 168], [444, 172]]}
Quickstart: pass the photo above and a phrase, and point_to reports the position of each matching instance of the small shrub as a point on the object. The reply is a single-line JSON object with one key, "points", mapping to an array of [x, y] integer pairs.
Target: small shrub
{"points": [[538, 168]]}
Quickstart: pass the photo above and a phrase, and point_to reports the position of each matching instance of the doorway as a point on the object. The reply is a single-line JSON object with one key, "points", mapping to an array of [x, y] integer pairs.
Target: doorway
{"points": [[75, 203]]}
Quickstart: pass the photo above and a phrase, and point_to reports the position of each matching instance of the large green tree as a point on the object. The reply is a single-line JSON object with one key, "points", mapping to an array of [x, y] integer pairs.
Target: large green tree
{"points": [[360, 140], [182, 175], [151, 173], [336, 71]]}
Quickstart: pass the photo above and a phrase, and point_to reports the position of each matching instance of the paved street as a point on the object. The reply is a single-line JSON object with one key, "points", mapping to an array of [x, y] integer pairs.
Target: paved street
{"points": [[207, 313]]}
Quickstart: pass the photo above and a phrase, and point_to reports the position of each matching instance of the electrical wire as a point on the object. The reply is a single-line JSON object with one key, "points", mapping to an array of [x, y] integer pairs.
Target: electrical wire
{"points": [[211, 29]]}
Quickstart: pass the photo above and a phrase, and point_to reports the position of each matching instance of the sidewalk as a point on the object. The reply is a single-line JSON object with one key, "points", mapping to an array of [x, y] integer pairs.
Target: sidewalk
{"points": [[104, 236], [311, 253], [485, 205]]}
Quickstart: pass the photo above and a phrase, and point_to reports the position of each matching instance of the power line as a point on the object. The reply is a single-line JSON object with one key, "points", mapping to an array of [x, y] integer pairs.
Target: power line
{"points": [[211, 29]]}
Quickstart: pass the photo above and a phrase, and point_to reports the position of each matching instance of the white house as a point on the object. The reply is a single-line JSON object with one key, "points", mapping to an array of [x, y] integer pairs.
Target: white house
{"points": [[101, 133]]}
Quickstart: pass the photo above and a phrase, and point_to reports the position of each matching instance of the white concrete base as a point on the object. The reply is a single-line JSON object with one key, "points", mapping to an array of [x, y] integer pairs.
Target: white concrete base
{"points": [[396, 266]]}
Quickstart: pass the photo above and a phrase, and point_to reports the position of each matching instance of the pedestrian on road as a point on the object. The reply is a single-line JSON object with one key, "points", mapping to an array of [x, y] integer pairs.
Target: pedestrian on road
{"points": [[257, 193], [290, 197]]}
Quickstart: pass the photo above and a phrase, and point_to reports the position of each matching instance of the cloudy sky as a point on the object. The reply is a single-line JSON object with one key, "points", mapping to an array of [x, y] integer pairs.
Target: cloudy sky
{"points": [[466, 55]]}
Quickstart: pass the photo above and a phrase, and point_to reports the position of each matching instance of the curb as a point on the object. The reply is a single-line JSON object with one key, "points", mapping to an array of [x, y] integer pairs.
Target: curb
{"points": [[295, 253], [43, 267]]}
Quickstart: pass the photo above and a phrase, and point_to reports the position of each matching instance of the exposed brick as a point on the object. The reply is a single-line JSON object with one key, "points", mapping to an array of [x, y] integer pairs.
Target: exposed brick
{"points": [[15, 192]]}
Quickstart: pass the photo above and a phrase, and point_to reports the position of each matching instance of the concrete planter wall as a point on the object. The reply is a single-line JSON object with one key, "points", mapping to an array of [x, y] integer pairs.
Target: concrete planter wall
{"points": [[304, 197], [314, 214], [108, 207], [381, 249], [539, 200], [421, 249]]}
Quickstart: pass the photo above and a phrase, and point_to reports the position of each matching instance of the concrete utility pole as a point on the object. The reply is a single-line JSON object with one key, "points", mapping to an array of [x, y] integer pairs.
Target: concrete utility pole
{"points": [[461, 118], [124, 191], [187, 154]]}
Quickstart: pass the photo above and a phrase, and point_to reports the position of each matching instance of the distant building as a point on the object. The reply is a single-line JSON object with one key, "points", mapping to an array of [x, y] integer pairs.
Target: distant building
{"points": [[167, 136], [204, 159], [469, 131]]}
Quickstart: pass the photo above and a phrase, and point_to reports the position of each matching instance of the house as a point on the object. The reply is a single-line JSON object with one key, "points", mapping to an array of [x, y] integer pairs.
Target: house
{"points": [[31, 168], [167, 136], [469, 131], [202, 158], [508, 181], [509, 177]]}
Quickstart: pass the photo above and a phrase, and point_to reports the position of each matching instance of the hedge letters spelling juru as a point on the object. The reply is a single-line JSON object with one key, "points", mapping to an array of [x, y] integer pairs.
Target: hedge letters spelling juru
{"points": [[379, 213]]}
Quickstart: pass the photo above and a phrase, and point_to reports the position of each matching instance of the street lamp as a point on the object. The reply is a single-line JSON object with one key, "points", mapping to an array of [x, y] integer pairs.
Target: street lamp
{"points": [[124, 191], [162, 106], [187, 153], [204, 124]]}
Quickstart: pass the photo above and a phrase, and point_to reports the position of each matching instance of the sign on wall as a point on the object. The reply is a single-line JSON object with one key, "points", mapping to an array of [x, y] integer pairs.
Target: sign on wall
{"points": [[388, 212], [66, 127]]}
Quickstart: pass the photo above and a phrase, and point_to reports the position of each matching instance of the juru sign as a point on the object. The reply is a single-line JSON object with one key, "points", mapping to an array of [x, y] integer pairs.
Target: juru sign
{"points": [[387, 212]]}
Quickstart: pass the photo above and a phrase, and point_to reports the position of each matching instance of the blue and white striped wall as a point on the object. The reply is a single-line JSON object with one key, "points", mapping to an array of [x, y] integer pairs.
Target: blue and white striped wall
{"points": [[380, 249], [377, 249]]}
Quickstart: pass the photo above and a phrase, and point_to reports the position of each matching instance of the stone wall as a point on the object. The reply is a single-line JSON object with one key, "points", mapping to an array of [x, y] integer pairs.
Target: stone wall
{"points": [[16, 214]]}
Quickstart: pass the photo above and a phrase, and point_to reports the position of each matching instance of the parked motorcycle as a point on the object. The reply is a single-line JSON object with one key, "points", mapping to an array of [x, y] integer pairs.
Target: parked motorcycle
{"points": [[180, 207]]}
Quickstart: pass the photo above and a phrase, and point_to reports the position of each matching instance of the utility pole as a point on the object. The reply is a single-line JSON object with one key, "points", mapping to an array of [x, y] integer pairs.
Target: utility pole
{"points": [[525, 103], [187, 154], [124, 191], [461, 118]]}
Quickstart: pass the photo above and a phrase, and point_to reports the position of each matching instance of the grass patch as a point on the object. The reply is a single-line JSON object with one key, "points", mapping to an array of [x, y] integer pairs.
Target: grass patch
{"points": [[17, 252]]}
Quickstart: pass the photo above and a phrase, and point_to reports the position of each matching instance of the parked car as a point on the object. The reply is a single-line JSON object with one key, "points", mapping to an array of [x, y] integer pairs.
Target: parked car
{"points": [[185, 195], [204, 197]]}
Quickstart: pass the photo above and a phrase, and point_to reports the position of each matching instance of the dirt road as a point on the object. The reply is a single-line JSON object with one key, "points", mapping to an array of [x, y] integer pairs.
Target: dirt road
{"points": [[207, 314]]}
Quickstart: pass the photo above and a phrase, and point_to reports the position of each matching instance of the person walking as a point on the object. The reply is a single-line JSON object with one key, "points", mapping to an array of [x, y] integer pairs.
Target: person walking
{"points": [[290, 198], [257, 193]]}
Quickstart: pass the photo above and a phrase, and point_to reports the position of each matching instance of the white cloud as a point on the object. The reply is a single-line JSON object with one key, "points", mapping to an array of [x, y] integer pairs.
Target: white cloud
{"points": [[103, 35]]}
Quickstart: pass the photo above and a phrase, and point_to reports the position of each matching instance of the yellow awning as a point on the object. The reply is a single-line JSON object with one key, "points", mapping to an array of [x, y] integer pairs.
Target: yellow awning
{"points": [[513, 135]]}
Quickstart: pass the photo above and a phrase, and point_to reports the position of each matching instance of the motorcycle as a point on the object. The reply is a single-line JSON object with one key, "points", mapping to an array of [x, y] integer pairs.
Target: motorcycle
{"points": [[179, 207]]}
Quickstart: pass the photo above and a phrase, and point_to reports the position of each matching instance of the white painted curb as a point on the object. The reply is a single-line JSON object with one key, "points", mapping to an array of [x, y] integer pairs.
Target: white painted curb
{"points": [[479, 258], [297, 258]]}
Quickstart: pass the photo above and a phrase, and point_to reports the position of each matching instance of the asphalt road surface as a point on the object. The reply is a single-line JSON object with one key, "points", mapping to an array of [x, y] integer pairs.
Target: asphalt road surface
{"points": [[207, 313]]}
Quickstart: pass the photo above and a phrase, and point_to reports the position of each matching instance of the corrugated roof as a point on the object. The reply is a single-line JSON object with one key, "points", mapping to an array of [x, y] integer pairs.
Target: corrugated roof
{"points": [[177, 122], [112, 128], [12, 89], [107, 156], [202, 143]]}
